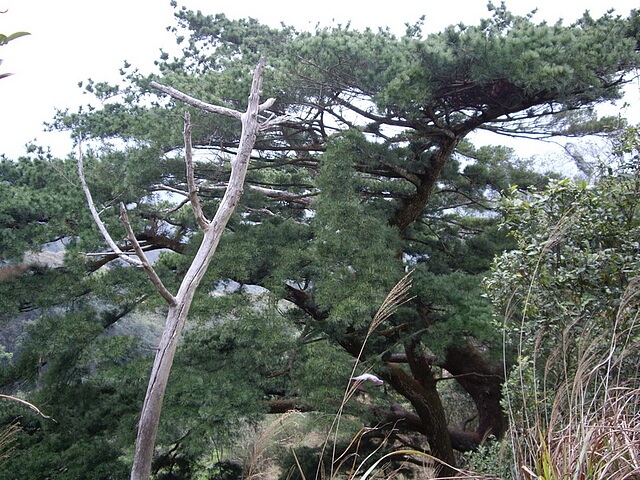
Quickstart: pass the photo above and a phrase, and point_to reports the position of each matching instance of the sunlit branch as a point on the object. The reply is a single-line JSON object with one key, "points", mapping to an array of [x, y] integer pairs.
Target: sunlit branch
{"points": [[27, 404], [194, 102]]}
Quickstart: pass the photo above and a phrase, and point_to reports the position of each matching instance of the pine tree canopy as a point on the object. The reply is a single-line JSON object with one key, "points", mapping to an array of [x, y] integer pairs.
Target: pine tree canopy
{"points": [[372, 176]]}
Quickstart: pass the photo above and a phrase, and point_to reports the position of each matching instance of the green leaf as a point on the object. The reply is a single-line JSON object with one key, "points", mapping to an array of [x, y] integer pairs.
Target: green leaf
{"points": [[4, 39]]}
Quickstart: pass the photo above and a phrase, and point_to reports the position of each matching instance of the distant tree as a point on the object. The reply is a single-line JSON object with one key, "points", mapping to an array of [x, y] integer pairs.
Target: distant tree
{"points": [[57, 356]]}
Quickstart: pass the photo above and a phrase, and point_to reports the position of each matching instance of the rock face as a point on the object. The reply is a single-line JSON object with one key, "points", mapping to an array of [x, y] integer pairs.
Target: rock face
{"points": [[32, 261]]}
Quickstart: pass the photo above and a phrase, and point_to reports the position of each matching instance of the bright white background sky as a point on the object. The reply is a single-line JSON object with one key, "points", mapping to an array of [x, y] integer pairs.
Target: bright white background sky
{"points": [[72, 40]]}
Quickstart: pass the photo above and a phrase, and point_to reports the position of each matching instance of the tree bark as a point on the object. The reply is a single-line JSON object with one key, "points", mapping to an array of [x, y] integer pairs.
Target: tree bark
{"points": [[413, 206], [179, 309], [426, 401], [482, 379], [409, 422]]}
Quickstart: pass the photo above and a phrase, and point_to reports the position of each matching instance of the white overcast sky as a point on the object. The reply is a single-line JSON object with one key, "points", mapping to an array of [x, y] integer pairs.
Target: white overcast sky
{"points": [[72, 40]]}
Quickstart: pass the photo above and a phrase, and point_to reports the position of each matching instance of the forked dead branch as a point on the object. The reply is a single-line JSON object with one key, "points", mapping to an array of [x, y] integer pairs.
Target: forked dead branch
{"points": [[212, 229]]}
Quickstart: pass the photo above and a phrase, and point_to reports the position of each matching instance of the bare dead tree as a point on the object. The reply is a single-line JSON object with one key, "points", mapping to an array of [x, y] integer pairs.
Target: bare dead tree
{"points": [[180, 303]]}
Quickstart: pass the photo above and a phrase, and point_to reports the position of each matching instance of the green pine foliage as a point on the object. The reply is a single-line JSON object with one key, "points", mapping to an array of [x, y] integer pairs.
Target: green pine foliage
{"points": [[39, 204], [354, 245], [92, 415], [371, 177], [569, 297]]}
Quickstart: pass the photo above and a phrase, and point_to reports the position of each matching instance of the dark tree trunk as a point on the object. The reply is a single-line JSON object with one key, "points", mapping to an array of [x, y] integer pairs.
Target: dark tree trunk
{"points": [[413, 206], [426, 401], [409, 422], [482, 379]]}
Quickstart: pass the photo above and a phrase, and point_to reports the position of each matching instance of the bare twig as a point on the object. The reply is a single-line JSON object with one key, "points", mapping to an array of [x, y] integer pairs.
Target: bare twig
{"points": [[191, 181], [30, 405], [155, 279], [194, 102], [274, 121], [159, 188], [140, 260], [208, 107], [96, 216]]}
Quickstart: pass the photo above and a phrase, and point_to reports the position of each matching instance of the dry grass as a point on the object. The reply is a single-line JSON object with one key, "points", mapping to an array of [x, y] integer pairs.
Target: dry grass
{"points": [[588, 428], [581, 419], [7, 437], [343, 464], [260, 465]]}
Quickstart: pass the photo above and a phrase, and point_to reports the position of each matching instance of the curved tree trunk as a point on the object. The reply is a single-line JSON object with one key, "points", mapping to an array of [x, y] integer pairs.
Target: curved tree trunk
{"points": [[426, 401], [482, 379]]}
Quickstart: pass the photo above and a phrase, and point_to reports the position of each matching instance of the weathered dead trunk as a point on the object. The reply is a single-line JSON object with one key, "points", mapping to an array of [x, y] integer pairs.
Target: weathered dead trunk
{"points": [[180, 304], [179, 309]]}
